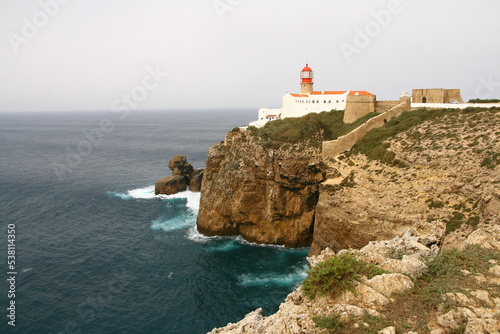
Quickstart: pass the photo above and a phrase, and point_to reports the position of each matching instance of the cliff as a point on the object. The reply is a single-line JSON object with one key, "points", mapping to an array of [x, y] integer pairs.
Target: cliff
{"points": [[420, 199], [444, 169], [265, 194]]}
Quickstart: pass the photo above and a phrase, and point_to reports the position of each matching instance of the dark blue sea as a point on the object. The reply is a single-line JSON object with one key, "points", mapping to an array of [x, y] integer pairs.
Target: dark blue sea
{"points": [[97, 252]]}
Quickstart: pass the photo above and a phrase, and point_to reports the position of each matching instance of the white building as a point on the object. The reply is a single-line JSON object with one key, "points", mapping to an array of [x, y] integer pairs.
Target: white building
{"points": [[308, 101]]}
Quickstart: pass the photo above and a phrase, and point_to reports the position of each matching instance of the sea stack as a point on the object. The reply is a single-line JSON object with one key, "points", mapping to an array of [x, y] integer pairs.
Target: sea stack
{"points": [[183, 177]]}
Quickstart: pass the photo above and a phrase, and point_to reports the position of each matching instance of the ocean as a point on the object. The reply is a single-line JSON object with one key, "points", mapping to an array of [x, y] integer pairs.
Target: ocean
{"points": [[96, 251]]}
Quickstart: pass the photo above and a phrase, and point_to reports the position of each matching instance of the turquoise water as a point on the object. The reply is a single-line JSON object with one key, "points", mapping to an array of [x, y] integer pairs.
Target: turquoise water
{"points": [[98, 252]]}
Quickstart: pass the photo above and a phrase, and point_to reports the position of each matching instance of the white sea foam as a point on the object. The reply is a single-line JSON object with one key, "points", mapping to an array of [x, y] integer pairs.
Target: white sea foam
{"points": [[139, 193], [182, 221], [297, 276], [175, 223], [193, 198], [193, 235], [224, 245], [255, 244]]}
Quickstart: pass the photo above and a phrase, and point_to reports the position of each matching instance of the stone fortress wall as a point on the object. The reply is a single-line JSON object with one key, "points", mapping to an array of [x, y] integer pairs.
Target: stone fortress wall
{"points": [[436, 95], [357, 106], [333, 148], [381, 106]]}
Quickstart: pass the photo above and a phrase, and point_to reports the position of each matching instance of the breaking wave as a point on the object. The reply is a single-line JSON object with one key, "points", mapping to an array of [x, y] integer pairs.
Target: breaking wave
{"points": [[193, 198], [295, 277], [180, 210]]}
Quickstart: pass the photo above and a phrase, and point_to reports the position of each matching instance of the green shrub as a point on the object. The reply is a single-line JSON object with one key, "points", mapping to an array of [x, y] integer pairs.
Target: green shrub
{"points": [[492, 161], [445, 273], [313, 127], [434, 204], [454, 222], [336, 275], [332, 322], [484, 101], [372, 145], [473, 221]]}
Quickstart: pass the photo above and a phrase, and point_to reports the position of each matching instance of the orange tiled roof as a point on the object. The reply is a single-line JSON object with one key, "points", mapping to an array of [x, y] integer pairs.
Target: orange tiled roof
{"points": [[360, 92], [329, 92]]}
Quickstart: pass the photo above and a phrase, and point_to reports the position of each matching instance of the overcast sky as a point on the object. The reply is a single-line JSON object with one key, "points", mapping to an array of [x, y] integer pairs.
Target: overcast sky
{"points": [[96, 54]]}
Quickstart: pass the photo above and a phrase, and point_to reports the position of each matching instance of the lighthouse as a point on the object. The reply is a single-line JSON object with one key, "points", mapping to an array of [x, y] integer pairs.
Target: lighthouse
{"points": [[355, 103], [306, 76]]}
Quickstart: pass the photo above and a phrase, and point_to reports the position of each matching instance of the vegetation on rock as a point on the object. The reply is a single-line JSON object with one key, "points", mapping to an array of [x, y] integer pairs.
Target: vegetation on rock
{"points": [[375, 147], [312, 128], [484, 101], [451, 274], [336, 275]]}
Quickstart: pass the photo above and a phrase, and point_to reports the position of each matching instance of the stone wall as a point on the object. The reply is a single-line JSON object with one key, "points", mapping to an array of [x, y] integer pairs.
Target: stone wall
{"points": [[357, 106], [435, 95], [344, 143], [452, 94], [381, 106]]}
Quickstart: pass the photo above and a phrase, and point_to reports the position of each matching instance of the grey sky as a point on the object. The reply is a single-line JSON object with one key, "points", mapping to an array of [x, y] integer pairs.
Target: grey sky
{"points": [[239, 53]]}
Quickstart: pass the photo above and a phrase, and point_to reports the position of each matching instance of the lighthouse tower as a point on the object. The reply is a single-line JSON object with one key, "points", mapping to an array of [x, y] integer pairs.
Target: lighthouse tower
{"points": [[306, 76]]}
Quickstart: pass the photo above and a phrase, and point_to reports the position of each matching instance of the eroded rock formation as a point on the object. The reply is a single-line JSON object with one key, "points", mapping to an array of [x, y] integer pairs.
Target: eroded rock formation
{"points": [[183, 177], [266, 195], [477, 312]]}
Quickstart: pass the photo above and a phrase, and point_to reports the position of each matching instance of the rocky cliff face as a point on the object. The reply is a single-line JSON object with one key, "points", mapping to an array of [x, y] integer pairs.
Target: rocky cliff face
{"points": [[266, 195], [379, 304], [451, 175], [446, 196]]}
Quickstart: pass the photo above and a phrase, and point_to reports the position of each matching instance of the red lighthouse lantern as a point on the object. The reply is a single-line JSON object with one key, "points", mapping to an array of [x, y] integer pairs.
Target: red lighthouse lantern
{"points": [[306, 76]]}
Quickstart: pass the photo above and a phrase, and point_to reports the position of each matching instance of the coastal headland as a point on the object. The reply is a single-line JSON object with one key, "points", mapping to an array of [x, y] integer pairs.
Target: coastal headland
{"points": [[396, 190], [424, 182]]}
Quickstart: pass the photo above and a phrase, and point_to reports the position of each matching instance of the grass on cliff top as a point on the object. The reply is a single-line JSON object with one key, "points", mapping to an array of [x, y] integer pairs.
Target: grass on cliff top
{"points": [[337, 274], [414, 309], [484, 100], [311, 129], [373, 144]]}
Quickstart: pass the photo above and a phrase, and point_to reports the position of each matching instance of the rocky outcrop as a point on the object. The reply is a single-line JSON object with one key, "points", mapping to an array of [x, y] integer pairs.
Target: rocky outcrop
{"points": [[266, 195], [195, 179], [183, 176], [170, 185], [477, 312]]}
